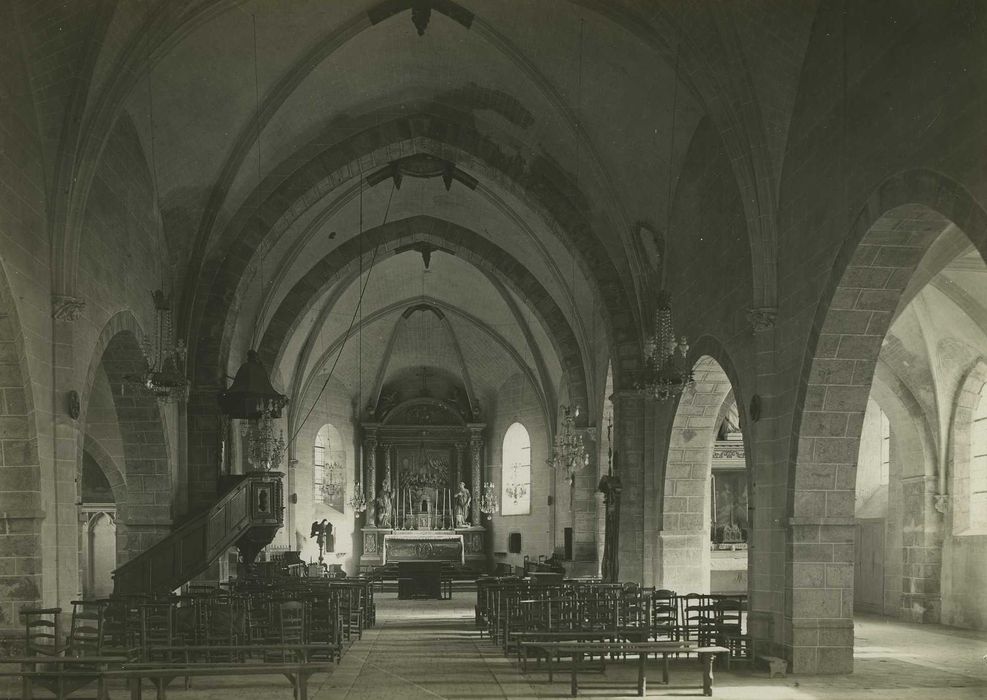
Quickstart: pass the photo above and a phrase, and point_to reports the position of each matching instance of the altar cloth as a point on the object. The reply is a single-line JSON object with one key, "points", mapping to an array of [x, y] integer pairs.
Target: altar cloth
{"points": [[423, 545]]}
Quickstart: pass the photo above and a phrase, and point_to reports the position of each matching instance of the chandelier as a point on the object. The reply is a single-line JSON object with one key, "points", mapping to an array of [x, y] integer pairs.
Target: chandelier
{"points": [[332, 484], [516, 490], [488, 500], [264, 449], [164, 357], [358, 501], [666, 368], [568, 452]]}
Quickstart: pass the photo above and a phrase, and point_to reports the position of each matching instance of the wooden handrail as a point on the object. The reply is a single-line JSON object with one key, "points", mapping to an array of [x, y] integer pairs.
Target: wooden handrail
{"points": [[253, 502]]}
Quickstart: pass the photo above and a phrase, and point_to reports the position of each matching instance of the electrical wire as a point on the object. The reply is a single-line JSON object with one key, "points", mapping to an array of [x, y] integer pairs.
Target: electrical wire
{"points": [[349, 330]]}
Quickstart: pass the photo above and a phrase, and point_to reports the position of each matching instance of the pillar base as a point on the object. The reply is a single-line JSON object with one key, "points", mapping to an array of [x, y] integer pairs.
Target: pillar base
{"points": [[820, 646]]}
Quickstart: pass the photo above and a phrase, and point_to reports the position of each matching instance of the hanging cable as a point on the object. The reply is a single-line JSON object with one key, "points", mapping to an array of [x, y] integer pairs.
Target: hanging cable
{"points": [[357, 311]]}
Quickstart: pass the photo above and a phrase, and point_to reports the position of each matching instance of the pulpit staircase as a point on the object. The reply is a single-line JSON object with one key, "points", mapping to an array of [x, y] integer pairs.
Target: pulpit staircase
{"points": [[247, 516]]}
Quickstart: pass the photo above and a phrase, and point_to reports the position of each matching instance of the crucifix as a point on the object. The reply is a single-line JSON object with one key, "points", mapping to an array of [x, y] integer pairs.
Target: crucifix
{"points": [[425, 373]]}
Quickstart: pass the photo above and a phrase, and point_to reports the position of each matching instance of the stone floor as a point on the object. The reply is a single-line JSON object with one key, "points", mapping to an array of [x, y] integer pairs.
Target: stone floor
{"points": [[430, 649]]}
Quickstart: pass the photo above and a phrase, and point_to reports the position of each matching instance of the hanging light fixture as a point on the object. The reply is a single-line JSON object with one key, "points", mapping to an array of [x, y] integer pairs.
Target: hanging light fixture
{"points": [[568, 452], [666, 368], [516, 490], [332, 484], [265, 450], [488, 500], [358, 501], [666, 371], [164, 357], [163, 374]]}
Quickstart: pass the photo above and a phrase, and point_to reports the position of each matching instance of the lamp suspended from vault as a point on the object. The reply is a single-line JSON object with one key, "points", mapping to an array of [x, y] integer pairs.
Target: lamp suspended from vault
{"points": [[265, 450], [488, 500], [164, 357], [568, 452], [666, 367]]}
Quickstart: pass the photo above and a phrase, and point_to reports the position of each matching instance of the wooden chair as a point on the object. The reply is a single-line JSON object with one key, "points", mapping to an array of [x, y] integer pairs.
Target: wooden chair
{"points": [[291, 618], [324, 625], [157, 630], [635, 614], [664, 615], [41, 631], [259, 620], [697, 619], [86, 629], [730, 628], [121, 627]]}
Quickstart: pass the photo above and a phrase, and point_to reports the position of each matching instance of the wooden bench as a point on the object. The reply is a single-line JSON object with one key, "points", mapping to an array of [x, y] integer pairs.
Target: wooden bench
{"points": [[301, 652], [162, 674], [529, 641], [61, 675], [579, 650]]}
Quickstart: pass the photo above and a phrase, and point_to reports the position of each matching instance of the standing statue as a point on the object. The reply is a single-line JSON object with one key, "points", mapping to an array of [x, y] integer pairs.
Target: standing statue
{"points": [[385, 506], [463, 500], [321, 532]]}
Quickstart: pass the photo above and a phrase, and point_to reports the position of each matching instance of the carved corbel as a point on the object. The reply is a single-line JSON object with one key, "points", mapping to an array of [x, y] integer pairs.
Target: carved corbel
{"points": [[762, 318], [940, 502], [66, 308]]}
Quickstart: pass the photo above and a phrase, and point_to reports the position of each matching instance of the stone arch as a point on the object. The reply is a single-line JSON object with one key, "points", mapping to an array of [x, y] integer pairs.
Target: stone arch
{"points": [[898, 223], [541, 185], [108, 465], [20, 478], [959, 453], [144, 505], [684, 535]]}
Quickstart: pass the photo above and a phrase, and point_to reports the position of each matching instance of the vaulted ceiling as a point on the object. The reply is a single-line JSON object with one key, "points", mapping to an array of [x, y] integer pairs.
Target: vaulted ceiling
{"points": [[304, 149]]}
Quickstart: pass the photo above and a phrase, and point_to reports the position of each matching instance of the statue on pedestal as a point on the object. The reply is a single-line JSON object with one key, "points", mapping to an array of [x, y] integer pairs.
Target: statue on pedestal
{"points": [[385, 506], [463, 500]]}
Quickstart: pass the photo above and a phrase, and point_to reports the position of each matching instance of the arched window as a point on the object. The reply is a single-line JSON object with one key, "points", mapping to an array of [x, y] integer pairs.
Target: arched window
{"points": [[328, 482], [515, 482], [978, 463]]}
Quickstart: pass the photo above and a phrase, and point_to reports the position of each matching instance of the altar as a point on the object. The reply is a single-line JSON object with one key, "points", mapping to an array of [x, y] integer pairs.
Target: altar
{"points": [[423, 545], [422, 470]]}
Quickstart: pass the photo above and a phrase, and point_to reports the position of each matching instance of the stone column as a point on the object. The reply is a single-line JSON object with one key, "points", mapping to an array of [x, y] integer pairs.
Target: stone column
{"points": [[922, 549], [458, 473], [584, 508], [638, 531], [60, 529], [387, 465], [476, 443], [370, 473]]}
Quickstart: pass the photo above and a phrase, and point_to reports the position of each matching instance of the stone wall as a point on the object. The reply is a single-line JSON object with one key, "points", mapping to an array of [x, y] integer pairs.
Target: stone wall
{"points": [[334, 408], [516, 401]]}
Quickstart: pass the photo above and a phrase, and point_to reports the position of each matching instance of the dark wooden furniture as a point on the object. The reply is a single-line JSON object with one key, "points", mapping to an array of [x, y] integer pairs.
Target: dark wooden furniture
{"points": [[419, 580], [61, 675], [578, 651], [161, 675]]}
